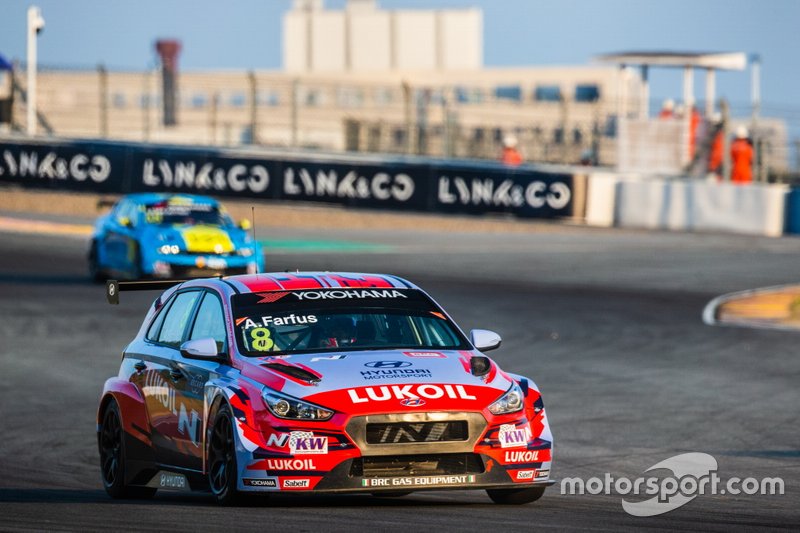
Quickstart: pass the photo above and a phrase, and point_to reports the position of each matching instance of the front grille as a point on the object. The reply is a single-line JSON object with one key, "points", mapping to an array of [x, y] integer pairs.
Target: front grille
{"points": [[410, 432], [417, 465]]}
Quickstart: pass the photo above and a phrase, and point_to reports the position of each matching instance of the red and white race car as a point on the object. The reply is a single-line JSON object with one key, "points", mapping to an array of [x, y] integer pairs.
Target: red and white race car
{"points": [[315, 382]]}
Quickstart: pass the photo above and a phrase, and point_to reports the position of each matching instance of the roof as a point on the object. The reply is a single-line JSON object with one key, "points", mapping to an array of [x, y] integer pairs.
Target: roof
{"points": [[152, 197], [715, 60], [276, 281]]}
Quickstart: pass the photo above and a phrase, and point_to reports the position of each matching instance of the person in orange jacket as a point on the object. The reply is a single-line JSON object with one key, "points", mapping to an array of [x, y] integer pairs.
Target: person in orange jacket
{"points": [[742, 157], [511, 155], [717, 146], [694, 124], [667, 109]]}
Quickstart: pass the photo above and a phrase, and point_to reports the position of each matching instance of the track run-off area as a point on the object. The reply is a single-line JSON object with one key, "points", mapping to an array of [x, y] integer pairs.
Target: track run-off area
{"points": [[609, 323]]}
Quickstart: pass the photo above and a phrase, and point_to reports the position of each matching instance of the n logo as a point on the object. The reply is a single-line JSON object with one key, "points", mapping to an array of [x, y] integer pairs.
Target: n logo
{"points": [[190, 425]]}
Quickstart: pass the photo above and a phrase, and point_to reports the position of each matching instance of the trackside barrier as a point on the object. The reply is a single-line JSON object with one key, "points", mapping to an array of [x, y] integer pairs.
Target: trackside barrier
{"points": [[418, 184], [692, 205], [793, 211], [601, 199]]}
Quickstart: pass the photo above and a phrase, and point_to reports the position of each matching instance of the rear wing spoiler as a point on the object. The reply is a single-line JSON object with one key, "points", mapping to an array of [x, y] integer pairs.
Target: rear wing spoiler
{"points": [[114, 287]]}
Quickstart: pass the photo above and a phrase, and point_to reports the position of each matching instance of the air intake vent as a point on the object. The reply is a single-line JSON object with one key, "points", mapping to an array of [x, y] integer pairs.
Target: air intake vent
{"points": [[417, 465], [410, 432], [294, 372]]}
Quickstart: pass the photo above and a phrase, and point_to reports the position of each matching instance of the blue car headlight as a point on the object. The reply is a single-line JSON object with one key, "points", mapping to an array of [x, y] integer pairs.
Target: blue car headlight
{"points": [[169, 249], [285, 406], [510, 402]]}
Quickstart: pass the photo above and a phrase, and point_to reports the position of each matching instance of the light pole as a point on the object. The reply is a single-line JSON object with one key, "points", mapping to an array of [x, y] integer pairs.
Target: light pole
{"points": [[35, 25]]}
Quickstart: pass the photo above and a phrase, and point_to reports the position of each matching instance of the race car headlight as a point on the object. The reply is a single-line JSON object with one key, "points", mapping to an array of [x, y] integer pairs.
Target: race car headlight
{"points": [[169, 249], [510, 402], [284, 406]]}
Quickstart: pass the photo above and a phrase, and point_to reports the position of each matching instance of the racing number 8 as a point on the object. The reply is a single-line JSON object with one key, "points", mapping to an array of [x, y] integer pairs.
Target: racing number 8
{"points": [[262, 341]]}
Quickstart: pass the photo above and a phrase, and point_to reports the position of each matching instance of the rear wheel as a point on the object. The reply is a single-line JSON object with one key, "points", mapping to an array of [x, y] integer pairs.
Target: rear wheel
{"points": [[111, 443], [222, 472], [515, 496]]}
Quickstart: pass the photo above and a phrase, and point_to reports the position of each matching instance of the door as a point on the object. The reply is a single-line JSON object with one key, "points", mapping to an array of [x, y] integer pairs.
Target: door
{"points": [[209, 322], [159, 378], [119, 238]]}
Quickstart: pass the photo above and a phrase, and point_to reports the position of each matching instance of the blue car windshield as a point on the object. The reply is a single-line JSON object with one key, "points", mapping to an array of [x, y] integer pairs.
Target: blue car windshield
{"points": [[165, 213]]}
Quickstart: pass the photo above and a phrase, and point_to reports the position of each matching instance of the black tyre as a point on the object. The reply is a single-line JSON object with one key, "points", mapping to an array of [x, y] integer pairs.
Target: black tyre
{"points": [[112, 457], [222, 471], [515, 496], [96, 273]]}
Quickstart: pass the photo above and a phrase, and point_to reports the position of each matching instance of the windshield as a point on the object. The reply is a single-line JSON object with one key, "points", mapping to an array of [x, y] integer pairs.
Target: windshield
{"points": [[167, 213], [284, 322]]}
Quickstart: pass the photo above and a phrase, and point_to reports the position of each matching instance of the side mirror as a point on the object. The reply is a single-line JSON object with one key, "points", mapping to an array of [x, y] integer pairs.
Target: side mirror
{"points": [[200, 349], [245, 224], [485, 340], [124, 222]]}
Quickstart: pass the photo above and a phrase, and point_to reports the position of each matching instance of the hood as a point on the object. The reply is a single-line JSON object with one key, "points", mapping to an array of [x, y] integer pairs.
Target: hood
{"points": [[382, 380], [199, 239]]}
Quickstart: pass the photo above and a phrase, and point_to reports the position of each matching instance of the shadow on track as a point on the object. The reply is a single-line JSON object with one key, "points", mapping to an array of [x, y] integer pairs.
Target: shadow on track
{"points": [[46, 279], [52, 496], [9, 495]]}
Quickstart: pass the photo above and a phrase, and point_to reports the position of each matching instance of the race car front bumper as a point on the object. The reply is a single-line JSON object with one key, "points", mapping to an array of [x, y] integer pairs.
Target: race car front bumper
{"points": [[371, 460], [199, 266]]}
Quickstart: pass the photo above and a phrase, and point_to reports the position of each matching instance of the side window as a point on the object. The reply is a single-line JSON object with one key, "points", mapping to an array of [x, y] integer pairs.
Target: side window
{"points": [[177, 318], [127, 210], [210, 322], [152, 331]]}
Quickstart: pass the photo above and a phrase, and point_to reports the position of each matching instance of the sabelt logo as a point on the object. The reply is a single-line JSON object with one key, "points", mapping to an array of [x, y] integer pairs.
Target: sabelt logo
{"points": [[347, 294], [525, 474], [295, 483], [409, 392]]}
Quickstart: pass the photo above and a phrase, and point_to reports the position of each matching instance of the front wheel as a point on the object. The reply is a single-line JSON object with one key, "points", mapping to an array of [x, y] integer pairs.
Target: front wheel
{"points": [[515, 496], [222, 473], [111, 443]]}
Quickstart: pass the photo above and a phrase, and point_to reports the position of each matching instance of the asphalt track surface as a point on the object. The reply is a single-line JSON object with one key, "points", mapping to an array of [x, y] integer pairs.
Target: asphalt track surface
{"points": [[607, 322]]}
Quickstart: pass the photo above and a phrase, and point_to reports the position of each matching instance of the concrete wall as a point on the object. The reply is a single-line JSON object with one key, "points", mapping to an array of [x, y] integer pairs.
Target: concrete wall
{"points": [[686, 205], [461, 39], [328, 41], [363, 38], [370, 40], [415, 40]]}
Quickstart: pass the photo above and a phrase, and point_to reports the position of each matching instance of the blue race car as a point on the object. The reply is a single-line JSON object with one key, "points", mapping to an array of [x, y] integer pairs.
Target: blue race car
{"points": [[151, 235]]}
